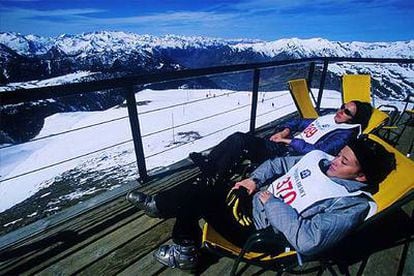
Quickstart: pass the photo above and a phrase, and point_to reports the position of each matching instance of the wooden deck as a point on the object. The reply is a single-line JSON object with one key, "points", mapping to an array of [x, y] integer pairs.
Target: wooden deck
{"points": [[115, 238]]}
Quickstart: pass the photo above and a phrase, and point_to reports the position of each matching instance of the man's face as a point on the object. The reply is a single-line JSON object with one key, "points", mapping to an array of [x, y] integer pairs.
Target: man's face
{"points": [[346, 166], [345, 113]]}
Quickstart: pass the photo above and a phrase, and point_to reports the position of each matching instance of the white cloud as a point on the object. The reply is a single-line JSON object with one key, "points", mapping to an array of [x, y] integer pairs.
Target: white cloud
{"points": [[83, 19], [168, 17], [32, 13]]}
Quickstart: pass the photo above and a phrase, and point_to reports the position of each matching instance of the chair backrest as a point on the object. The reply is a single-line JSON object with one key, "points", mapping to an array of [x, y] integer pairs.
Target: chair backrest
{"points": [[300, 93], [356, 87], [378, 119], [398, 183]]}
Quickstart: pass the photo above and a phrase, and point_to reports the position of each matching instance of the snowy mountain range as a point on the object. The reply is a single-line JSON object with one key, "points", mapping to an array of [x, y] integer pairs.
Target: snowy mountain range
{"points": [[128, 52], [32, 61], [126, 43]]}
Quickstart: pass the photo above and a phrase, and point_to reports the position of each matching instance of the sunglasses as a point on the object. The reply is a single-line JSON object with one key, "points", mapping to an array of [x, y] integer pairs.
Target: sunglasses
{"points": [[346, 111]]}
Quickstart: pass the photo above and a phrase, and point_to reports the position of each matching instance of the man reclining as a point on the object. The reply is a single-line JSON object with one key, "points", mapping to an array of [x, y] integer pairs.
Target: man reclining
{"points": [[328, 133], [315, 201]]}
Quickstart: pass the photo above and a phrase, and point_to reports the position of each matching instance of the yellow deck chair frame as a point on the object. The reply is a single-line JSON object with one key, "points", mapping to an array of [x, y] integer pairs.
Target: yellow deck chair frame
{"points": [[400, 121], [378, 119], [396, 190], [300, 93], [358, 87]]}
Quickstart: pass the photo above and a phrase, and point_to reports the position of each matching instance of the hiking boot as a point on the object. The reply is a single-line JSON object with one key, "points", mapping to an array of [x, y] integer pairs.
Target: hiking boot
{"points": [[202, 162], [178, 256], [144, 202]]}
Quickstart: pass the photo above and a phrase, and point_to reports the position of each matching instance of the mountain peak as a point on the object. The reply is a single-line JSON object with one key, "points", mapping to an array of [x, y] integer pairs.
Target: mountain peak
{"points": [[119, 41]]}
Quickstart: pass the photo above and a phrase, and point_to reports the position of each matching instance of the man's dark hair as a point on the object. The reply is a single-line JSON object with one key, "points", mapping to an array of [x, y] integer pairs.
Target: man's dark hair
{"points": [[375, 161]]}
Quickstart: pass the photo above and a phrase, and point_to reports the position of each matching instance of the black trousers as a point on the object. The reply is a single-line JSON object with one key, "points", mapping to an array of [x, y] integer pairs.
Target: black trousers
{"points": [[190, 202], [224, 157]]}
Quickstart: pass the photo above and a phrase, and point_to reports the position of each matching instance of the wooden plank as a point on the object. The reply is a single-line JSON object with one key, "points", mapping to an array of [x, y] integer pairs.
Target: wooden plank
{"points": [[71, 227], [147, 265], [95, 248], [210, 264], [385, 261], [81, 225], [50, 249], [222, 266], [250, 269], [130, 252], [408, 268], [95, 213]]}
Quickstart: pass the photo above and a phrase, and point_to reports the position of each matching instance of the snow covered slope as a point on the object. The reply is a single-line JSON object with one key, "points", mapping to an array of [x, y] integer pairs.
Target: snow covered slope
{"points": [[168, 136]]}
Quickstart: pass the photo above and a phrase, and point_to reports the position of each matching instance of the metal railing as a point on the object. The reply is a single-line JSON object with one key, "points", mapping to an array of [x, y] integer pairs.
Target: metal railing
{"points": [[35, 94]]}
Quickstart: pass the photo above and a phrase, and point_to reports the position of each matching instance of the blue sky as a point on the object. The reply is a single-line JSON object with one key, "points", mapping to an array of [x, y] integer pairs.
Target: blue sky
{"points": [[367, 20]]}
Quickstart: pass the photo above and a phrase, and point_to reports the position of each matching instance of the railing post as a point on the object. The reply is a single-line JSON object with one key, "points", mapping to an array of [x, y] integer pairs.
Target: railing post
{"points": [[310, 78], [322, 84], [310, 73], [256, 79], [136, 133]]}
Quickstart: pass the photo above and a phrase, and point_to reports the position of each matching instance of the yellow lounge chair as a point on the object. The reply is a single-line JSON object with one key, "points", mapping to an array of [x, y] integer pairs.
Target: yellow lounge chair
{"points": [[377, 120], [394, 191], [358, 87], [300, 93]]}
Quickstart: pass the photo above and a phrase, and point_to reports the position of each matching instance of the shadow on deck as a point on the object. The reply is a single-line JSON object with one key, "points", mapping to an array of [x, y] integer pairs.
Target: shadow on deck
{"points": [[115, 238]]}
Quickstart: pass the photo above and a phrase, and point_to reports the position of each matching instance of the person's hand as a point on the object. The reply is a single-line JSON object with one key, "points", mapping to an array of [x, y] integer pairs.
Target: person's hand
{"points": [[280, 135], [265, 196], [275, 137], [247, 183], [285, 141]]}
